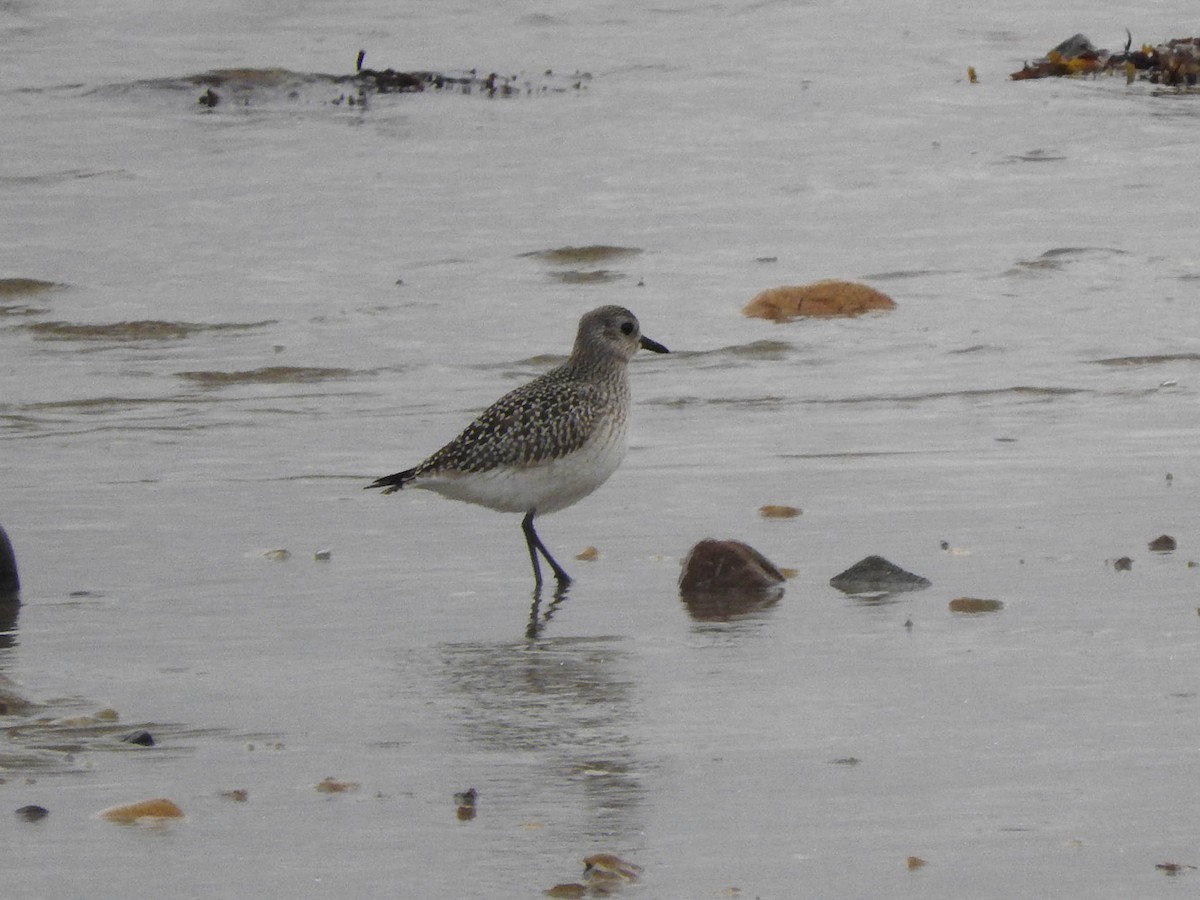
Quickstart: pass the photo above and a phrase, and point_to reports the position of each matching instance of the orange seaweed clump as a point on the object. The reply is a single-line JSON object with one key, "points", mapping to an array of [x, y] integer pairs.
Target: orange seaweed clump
{"points": [[829, 297]]}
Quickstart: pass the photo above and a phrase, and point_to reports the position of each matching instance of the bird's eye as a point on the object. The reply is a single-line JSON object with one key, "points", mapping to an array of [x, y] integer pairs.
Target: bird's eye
{"points": [[626, 328]]}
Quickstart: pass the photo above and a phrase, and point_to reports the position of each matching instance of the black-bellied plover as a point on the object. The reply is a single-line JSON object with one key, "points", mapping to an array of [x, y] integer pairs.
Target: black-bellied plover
{"points": [[549, 443]]}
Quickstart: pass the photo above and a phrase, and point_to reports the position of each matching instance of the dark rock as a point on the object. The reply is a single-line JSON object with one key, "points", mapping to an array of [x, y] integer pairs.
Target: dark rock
{"points": [[465, 803], [1124, 564], [1164, 543], [467, 797], [874, 574], [10, 584], [141, 737], [33, 813]]}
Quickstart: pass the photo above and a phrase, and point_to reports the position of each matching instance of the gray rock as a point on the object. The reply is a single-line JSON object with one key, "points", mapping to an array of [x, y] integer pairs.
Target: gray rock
{"points": [[874, 574]]}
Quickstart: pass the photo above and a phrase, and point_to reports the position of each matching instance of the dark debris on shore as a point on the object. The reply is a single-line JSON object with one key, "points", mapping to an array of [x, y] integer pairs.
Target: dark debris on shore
{"points": [[221, 85]]}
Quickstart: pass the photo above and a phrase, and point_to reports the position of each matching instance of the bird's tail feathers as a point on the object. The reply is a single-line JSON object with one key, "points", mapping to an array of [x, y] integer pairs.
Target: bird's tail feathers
{"points": [[392, 483]]}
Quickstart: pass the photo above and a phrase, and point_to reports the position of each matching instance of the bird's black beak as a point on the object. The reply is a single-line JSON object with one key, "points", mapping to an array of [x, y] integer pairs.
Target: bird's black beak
{"points": [[653, 346]]}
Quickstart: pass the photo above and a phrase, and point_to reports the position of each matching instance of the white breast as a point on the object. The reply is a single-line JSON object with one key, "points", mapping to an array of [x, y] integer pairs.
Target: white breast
{"points": [[545, 487]]}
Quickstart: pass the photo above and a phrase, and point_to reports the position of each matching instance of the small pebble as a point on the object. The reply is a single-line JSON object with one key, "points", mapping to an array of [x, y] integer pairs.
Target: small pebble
{"points": [[467, 797], [608, 864], [778, 511], [331, 785], [33, 813]]}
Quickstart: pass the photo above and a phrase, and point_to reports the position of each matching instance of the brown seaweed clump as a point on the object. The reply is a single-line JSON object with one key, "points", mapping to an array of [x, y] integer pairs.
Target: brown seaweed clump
{"points": [[820, 298], [1175, 63]]}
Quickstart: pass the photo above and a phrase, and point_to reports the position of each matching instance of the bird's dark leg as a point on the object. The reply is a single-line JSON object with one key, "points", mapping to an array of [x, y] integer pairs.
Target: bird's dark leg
{"points": [[531, 542], [535, 545]]}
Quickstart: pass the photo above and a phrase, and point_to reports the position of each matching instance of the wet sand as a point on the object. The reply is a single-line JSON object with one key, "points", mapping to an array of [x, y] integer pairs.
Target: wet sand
{"points": [[252, 312]]}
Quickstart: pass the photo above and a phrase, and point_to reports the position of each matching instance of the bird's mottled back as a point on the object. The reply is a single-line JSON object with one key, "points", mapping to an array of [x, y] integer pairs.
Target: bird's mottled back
{"points": [[550, 417], [555, 414]]}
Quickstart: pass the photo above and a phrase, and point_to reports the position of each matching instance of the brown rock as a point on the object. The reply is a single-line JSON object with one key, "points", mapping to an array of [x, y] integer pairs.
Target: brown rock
{"points": [[975, 605], [820, 298], [714, 565], [778, 511]]}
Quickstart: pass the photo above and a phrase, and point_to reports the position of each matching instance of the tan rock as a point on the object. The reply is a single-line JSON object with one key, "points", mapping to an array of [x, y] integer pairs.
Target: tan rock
{"points": [[148, 810], [975, 605], [778, 511], [820, 298]]}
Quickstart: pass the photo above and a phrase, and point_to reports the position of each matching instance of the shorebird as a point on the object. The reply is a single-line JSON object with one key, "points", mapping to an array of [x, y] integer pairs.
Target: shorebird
{"points": [[549, 443]]}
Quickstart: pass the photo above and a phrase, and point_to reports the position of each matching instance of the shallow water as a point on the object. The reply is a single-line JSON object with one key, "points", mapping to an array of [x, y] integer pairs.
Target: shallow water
{"points": [[259, 307]]}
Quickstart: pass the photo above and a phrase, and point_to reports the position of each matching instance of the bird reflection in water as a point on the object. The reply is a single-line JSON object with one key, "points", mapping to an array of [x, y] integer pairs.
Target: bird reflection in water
{"points": [[539, 618]]}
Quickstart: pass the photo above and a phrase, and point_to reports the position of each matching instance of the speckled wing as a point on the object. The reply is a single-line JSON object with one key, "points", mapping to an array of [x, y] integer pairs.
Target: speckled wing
{"points": [[546, 419]]}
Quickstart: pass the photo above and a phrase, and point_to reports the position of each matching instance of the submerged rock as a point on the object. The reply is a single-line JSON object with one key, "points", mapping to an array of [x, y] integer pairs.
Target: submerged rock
{"points": [[874, 574], [586, 255], [724, 579], [820, 298], [141, 737], [12, 287], [567, 891]]}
